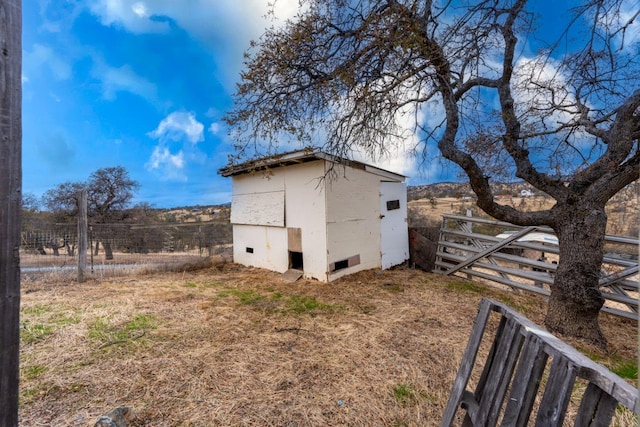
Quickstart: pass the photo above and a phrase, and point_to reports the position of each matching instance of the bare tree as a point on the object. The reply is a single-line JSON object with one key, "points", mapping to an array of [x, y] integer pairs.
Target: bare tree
{"points": [[365, 75], [62, 201], [110, 191]]}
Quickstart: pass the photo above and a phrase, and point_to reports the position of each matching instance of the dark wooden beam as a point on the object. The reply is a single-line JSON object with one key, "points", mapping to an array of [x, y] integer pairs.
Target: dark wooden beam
{"points": [[10, 205]]}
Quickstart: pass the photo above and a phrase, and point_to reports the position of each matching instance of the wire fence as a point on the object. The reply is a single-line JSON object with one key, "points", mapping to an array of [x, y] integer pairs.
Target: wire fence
{"points": [[117, 248]]}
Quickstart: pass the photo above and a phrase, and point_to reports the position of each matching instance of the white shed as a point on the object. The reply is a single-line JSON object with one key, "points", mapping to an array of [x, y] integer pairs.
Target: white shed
{"points": [[289, 212]]}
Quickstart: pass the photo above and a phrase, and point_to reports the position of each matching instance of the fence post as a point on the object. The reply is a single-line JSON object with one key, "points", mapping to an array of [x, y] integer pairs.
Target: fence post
{"points": [[82, 234], [10, 206]]}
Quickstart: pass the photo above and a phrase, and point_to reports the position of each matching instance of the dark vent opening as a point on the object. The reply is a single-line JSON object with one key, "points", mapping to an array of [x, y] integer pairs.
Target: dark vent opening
{"points": [[340, 265], [295, 260]]}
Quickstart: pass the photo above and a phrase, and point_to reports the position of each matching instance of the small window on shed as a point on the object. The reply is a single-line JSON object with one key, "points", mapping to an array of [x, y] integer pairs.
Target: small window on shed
{"points": [[393, 204], [249, 250]]}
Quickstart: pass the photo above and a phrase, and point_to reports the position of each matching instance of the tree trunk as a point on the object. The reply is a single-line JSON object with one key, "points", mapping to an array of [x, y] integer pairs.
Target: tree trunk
{"points": [[576, 300], [97, 249], [108, 253]]}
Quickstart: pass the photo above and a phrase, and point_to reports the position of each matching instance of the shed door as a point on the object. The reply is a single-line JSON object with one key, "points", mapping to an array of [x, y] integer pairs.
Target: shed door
{"points": [[394, 234]]}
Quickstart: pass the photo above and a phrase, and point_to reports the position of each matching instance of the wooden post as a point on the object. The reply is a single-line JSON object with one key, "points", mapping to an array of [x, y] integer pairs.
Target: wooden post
{"points": [[82, 235], [91, 246], [10, 205]]}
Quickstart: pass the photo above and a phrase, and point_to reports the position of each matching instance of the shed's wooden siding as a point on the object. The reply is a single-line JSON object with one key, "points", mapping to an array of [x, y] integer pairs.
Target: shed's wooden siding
{"points": [[337, 217], [258, 199], [258, 209], [394, 235], [353, 220], [260, 246], [306, 209]]}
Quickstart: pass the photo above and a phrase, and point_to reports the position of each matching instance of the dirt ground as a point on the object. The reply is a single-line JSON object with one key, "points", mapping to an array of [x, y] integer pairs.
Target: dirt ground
{"points": [[236, 346]]}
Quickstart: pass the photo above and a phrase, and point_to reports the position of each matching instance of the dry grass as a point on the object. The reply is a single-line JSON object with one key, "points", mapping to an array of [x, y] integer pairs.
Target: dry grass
{"points": [[230, 345], [59, 262], [422, 210]]}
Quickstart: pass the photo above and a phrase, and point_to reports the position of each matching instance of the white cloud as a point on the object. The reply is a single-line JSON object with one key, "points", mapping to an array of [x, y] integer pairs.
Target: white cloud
{"points": [[161, 155], [168, 158], [541, 92], [399, 160], [58, 15], [139, 9], [43, 56], [243, 18], [214, 128], [629, 14], [169, 166], [212, 112], [403, 154], [226, 26], [132, 15], [178, 126], [117, 79], [625, 17]]}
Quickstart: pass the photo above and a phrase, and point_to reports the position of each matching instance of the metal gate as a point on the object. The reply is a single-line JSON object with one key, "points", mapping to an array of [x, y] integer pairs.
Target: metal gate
{"points": [[525, 258]]}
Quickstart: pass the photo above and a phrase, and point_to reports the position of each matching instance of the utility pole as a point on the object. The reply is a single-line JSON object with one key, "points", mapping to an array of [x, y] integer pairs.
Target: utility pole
{"points": [[10, 206]]}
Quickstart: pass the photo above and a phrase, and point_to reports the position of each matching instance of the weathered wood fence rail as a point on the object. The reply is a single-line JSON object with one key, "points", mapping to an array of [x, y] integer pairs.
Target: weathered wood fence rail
{"points": [[525, 258], [520, 355]]}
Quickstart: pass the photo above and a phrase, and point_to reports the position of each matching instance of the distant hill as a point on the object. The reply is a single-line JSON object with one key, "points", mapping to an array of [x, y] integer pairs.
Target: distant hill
{"points": [[429, 202], [462, 189], [187, 214]]}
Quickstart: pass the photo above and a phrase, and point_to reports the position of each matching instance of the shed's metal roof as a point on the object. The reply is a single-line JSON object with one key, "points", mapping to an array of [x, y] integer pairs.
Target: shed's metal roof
{"points": [[302, 156]]}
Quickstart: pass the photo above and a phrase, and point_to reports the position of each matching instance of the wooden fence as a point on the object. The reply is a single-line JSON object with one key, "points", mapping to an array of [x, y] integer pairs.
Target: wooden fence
{"points": [[529, 364], [525, 258]]}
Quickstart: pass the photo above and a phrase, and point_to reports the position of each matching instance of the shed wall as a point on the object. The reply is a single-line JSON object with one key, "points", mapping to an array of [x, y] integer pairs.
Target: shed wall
{"points": [[336, 222], [306, 209], [394, 230], [261, 246], [258, 208], [303, 208], [353, 222], [258, 199]]}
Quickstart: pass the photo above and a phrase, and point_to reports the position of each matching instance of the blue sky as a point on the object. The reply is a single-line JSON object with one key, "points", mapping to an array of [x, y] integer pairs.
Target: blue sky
{"points": [[144, 84], [139, 84]]}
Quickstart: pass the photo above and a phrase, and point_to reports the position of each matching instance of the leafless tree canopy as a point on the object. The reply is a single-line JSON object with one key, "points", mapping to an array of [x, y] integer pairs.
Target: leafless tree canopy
{"points": [[110, 191], [483, 82], [366, 74]]}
